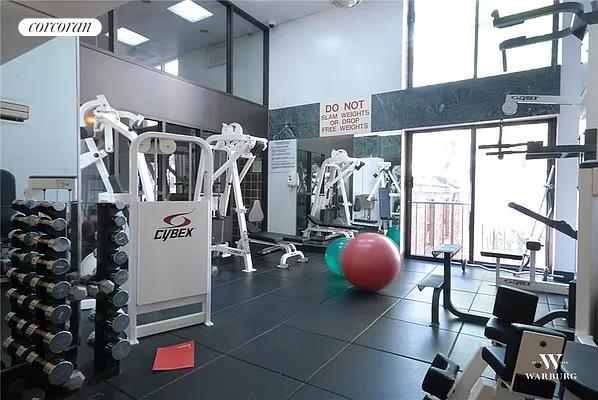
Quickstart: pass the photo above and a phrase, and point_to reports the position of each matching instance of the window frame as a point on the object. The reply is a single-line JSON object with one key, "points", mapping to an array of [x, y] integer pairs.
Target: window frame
{"points": [[231, 9], [551, 122], [411, 20]]}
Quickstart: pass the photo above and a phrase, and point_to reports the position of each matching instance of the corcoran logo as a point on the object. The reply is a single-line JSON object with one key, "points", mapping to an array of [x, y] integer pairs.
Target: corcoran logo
{"points": [[177, 229]]}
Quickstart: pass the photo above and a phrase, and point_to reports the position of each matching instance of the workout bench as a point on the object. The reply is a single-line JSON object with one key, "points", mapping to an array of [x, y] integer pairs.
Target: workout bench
{"points": [[278, 241]]}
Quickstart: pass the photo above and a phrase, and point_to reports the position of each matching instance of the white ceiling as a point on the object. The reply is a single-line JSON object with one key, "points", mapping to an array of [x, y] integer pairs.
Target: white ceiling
{"points": [[282, 11]]}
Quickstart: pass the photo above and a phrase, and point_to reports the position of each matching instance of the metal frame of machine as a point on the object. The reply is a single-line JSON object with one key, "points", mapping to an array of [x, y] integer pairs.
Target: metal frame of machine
{"points": [[236, 146]]}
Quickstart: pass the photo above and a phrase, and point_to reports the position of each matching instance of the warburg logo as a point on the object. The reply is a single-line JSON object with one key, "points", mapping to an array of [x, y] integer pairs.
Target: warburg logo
{"points": [[524, 98], [60, 27], [175, 229], [550, 362]]}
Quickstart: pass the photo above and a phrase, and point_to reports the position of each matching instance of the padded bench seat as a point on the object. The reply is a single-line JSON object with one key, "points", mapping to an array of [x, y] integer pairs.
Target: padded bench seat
{"points": [[270, 237], [497, 254], [318, 222]]}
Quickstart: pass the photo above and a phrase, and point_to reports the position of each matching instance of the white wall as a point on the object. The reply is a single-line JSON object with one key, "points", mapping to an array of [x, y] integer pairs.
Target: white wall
{"points": [[46, 79], [194, 66], [337, 54]]}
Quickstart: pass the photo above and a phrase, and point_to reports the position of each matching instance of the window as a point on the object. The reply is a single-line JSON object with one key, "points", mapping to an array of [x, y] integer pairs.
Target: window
{"points": [[103, 39], [443, 41], [512, 179], [518, 59], [441, 191], [184, 38], [248, 60], [463, 200]]}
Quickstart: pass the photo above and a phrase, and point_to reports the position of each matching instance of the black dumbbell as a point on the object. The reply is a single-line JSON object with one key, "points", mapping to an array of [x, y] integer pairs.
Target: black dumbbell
{"points": [[30, 280], [22, 239], [120, 276], [27, 207], [104, 286], [55, 342], [57, 314], [119, 298], [57, 371], [118, 321], [120, 238], [22, 221], [54, 209], [24, 258], [51, 226], [118, 348], [48, 243]]}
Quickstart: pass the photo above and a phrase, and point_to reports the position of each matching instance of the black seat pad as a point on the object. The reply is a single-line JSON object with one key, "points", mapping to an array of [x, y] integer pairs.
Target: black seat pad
{"points": [[332, 225], [293, 238], [580, 359], [498, 330], [494, 357], [266, 236], [498, 254]]}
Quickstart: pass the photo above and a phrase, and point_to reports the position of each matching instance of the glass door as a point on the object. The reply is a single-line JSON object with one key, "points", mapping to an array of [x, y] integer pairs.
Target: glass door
{"points": [[440, 190], [512, 179]]}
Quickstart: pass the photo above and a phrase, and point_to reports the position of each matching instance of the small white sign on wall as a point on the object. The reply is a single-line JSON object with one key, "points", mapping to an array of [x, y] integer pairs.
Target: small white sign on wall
{"points": [[346, 117], [282, 157]]}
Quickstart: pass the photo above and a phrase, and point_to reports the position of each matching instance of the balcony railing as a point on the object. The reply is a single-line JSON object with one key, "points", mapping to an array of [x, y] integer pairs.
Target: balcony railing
{"points": [[436, 222]]}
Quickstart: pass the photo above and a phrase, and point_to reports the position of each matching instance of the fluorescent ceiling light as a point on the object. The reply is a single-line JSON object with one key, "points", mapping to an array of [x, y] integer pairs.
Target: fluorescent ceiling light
{"points": [[190, 10], [129, 37]]}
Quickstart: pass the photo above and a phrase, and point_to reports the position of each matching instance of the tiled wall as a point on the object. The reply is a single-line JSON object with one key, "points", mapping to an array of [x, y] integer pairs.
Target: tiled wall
{"points": [[451, 103]]}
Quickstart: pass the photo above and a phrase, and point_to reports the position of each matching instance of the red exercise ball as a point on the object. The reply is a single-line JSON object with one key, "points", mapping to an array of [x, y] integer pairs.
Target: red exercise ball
{"points": [[370, 261]]}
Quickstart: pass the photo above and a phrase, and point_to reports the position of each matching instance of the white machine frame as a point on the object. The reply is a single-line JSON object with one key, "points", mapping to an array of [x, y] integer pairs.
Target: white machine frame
{"points": [[236, 145], [334, 171], [202, 195], [384, 179], [108, 121]]}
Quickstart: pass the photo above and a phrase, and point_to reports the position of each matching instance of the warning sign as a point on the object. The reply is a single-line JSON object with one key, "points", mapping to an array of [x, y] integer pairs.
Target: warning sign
{"points": [[345, 117]]}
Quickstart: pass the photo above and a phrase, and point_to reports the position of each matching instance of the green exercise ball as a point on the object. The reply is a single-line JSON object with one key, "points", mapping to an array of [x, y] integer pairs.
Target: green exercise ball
{"points": [[332, 257], [394, 234]]}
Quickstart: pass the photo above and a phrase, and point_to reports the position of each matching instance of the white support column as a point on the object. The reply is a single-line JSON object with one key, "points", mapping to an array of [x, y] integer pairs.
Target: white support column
{"points": [[566, 169]]}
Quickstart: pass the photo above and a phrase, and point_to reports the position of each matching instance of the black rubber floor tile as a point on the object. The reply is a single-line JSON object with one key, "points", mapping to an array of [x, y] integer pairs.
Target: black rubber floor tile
{"points": [[363, 373], [459, 298], [308, 392], [231, 329], [138, 379], [229, 378], [397, 289], [407, 339], [421, 313], [97, 391], [330, 321], [274, 307], [357, 301], [290, 351]]}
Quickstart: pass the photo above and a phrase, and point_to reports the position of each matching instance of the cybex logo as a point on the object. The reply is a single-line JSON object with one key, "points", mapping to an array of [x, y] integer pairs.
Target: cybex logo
{"points": [[176, 229], [524, 98]]}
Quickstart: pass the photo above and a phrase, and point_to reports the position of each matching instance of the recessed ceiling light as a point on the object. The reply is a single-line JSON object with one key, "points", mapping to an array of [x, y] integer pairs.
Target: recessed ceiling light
{"points": [[129, 37], [190, 10]]}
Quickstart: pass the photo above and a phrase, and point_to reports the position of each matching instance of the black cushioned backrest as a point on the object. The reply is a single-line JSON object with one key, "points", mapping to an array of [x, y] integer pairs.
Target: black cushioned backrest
{"points": [[515, 305]]}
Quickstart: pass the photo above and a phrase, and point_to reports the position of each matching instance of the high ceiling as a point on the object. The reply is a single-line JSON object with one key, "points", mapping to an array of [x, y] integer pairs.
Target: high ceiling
{"points": [[282, 11]]}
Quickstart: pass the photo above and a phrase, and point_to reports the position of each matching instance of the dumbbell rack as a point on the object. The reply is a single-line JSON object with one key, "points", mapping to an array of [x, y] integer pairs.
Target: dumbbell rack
{"points": [[44, 320], [111, 344]]}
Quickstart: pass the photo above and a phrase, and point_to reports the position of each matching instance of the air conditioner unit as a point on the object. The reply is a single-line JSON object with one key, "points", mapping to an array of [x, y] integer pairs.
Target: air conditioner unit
{"points": [[217, 56], [12, 111]]}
